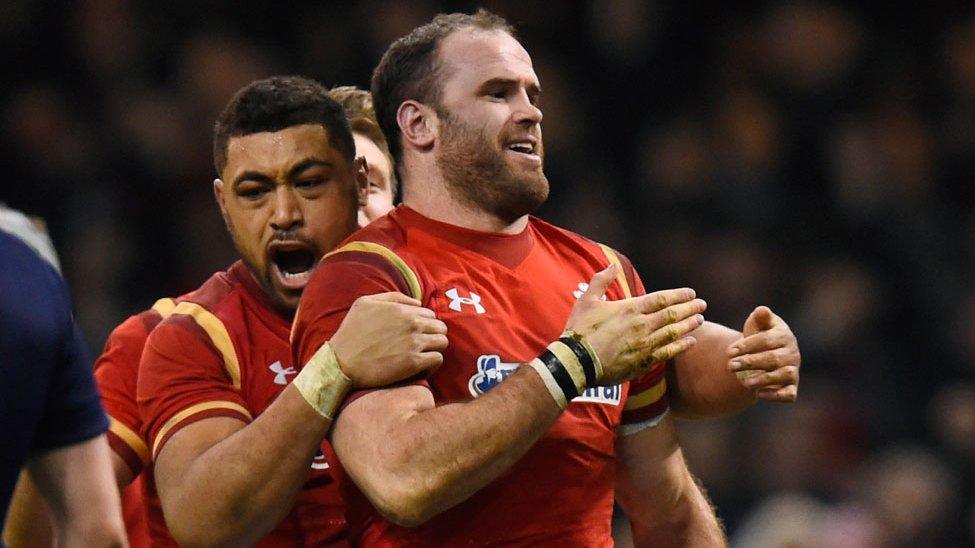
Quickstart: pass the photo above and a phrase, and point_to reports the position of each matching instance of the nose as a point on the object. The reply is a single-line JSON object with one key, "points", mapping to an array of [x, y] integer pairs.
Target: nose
{"points": [[287, 212], [526, 112]]}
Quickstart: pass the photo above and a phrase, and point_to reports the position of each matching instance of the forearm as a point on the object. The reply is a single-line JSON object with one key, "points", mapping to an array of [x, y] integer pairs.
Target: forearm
{"points": [[430, 459], [699, 382], [240, 487], [665, 505], [78, 486], [28, 519], [690, 521]]}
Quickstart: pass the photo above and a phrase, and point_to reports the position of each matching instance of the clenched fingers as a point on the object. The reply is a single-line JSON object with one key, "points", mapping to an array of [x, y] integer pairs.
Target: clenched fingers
{"points": [[766, 340], [766, 361], [436, 343], [392, 297], [785, 394], [429, 325], [784, 376]]}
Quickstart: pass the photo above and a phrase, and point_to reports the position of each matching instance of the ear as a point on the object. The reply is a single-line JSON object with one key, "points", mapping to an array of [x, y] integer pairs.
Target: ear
{"points": [[418, 123], [361, 171], [218, 193]]}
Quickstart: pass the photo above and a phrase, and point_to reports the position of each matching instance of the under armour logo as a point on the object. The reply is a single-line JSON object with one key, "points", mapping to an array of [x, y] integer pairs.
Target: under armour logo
{"points": [[282, 374], [456, 301]]}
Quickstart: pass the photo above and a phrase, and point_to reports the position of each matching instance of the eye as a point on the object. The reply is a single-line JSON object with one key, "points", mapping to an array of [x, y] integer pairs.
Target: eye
{"points": [[252, 191], [309, 183]]}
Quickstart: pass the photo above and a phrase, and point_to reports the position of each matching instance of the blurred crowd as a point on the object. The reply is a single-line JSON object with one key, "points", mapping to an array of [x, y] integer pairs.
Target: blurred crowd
{"points": [[812, 156]]}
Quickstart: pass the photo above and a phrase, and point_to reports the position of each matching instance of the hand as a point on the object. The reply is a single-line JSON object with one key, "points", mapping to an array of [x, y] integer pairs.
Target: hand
{"points": [[766, 358], [632, 334], [386, 338]]}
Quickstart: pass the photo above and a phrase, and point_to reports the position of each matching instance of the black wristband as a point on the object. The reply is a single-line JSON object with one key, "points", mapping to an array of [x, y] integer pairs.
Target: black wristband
{"points": [[585, 359], [560, 373]]}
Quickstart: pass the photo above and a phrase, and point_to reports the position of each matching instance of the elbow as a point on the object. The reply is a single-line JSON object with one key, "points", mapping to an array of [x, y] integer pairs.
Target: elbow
{"points": [[404, 502]]}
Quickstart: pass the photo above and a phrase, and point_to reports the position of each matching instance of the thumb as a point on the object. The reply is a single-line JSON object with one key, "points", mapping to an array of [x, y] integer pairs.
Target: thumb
{"points": [[761, 319], [599, 283]]}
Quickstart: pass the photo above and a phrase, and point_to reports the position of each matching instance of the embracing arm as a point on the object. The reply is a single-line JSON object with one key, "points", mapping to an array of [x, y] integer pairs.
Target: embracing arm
{"points": [[727, 370], [414, 460], [224, 481], [665, 505]]}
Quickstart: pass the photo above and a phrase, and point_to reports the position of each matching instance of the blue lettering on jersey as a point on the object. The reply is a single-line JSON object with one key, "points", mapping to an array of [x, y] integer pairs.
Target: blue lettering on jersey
{"points": [[491, 371]]}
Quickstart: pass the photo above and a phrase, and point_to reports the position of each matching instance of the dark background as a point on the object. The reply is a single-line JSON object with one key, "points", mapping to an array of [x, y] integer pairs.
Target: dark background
{"points": [[812, 156]]}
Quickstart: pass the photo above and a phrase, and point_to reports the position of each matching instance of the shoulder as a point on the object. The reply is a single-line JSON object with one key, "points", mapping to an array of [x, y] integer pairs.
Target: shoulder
{"points": [[576, 247]]}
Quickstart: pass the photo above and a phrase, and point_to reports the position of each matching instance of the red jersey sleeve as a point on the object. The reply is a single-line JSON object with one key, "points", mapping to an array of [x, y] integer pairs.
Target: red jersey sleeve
{"points": [[116, 372], [646, 401], [338, 281], [182, 379]]}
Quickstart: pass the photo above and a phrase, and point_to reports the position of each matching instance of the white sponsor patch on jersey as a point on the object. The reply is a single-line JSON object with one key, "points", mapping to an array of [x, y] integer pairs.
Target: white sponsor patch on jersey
{"points": [[491, 371]]}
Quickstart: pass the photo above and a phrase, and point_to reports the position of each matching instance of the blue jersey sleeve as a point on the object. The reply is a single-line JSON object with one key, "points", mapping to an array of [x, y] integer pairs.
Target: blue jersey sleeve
{"points": [[73, 411]]}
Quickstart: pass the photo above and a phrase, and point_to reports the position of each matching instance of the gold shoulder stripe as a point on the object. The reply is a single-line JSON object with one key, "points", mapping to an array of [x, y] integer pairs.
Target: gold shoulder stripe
{"points": [[620, 275], [130, 438], [411, 278], [193, 410], [218, 334], [647, 397], [164, 307]]}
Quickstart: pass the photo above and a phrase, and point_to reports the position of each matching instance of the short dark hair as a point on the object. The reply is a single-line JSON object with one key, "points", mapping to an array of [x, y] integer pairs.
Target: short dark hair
{"points": [[362, 118], [277, 103], [410, 68]]}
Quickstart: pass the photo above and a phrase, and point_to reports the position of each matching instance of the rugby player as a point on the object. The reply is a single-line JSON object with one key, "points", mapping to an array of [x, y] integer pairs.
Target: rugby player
{"points": [[370, 143], [117, 367], [488, 449], [235, 433], [49, 412]]}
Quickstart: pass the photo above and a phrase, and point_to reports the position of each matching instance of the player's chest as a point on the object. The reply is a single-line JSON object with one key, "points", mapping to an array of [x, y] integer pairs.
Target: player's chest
{"points": [[266, 368], [498, 319]]}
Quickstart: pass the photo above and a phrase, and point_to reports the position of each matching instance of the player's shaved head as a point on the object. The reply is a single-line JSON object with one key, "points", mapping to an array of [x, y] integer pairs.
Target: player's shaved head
{"points": [[277, 103], [410, 68]]}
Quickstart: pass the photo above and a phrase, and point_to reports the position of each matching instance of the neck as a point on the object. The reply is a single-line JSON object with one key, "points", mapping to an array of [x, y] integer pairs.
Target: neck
{"points": [[432, 199]]}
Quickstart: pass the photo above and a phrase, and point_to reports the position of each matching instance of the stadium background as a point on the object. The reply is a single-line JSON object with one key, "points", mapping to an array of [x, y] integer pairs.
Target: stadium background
{"points": [[812, 156]]}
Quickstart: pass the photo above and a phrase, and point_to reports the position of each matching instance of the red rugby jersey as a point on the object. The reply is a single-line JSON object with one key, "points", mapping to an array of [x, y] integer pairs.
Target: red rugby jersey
{"points": [[224, 351], [504, 298], [116, 372]]}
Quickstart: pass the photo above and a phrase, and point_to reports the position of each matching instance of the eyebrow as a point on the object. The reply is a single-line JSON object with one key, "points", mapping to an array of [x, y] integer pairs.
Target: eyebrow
{"points": [[500, 81], [301, 166]]}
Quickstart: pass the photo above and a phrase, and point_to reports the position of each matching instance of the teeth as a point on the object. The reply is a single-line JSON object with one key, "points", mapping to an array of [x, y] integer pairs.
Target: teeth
{"points": [[296, 275], [521, 147]]}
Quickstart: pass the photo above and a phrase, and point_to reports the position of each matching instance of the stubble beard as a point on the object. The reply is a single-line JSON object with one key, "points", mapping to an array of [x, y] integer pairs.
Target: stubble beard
{"points": [[478, 176]]}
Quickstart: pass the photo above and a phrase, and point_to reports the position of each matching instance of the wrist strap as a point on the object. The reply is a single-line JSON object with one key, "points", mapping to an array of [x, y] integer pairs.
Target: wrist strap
{"points": [[587, 356], [563, 372], [322, 382]]}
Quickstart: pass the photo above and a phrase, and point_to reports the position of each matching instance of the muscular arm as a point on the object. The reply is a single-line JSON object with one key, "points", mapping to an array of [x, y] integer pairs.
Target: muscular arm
{"points": [[224, 482], [414, 460], [729, 370], [76, 483], [29, 520], [699, 382], [656, 490]]}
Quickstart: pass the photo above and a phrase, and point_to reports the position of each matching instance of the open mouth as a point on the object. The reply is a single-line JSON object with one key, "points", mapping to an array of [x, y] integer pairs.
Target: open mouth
{"points": [[525, 149], [292, 263]]}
